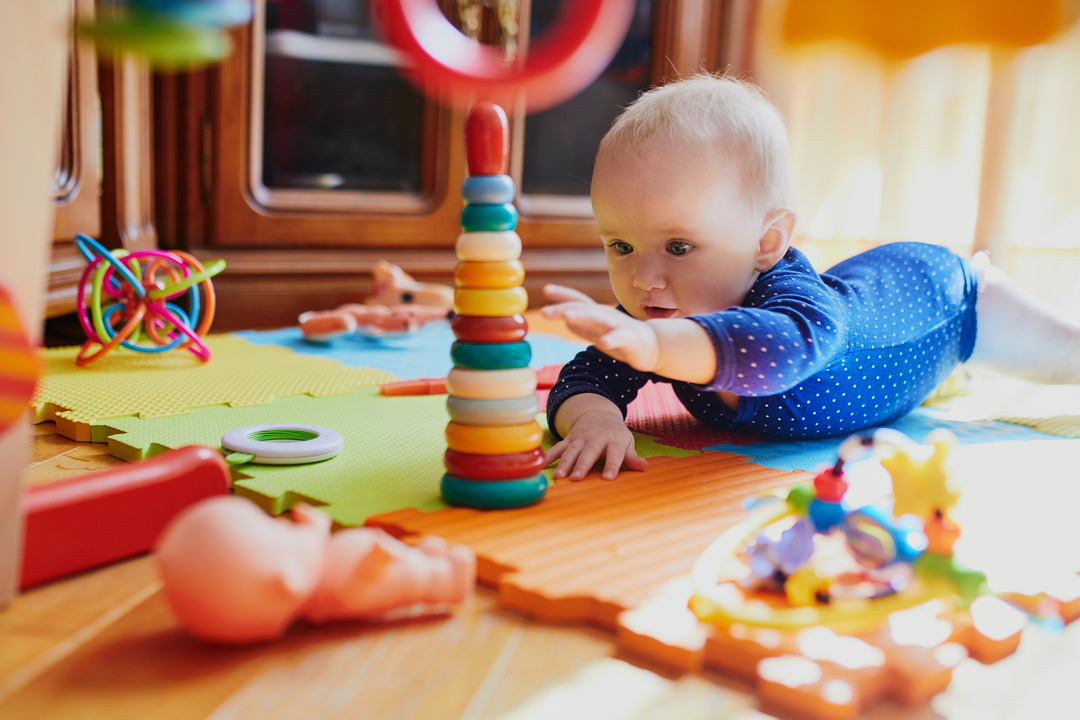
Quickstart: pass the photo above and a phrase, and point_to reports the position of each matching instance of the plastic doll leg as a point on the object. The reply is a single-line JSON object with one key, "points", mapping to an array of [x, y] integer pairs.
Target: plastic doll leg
{"points": [[1019, 335]]}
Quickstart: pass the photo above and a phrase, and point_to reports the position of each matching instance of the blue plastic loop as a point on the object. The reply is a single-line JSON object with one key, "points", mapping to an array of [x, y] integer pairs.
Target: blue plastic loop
{"points": [[490, 189]]}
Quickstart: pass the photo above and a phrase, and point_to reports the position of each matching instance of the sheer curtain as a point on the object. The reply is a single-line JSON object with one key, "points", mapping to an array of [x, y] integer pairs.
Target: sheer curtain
{"points": [[963, 146]]}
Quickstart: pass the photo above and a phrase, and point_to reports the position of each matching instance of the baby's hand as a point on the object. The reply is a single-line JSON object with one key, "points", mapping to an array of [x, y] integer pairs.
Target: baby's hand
{"points": [[595, 435], [612, 332]]}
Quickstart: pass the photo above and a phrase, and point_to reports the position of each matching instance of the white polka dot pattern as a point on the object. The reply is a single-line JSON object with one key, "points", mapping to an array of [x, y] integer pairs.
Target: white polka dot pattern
{"points": [[813, 356]]}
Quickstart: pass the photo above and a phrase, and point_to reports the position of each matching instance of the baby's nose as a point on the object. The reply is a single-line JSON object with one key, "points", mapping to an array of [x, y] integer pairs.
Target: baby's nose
{"points": [[647, 278]]}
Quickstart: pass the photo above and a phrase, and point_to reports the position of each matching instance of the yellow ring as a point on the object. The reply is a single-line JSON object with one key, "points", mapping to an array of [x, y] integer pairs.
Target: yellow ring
{"points": [[488, 246], [493, 439], [491, 275], [490, 384], [490, 303]]}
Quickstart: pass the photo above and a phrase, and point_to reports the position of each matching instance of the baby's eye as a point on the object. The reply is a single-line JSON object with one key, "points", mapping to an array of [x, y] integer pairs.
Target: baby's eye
{"points": [[621, 247], [679, 247]]}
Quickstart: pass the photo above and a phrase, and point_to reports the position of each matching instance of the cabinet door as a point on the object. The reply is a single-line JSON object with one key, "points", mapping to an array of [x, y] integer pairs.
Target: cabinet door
{"points": [[103, 182], [306, 157], [77, 181]]}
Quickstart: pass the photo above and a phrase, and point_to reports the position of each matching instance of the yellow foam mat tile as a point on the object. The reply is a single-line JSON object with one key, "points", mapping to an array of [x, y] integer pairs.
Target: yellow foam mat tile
{"points": [[130, 384], [1052, 409]]}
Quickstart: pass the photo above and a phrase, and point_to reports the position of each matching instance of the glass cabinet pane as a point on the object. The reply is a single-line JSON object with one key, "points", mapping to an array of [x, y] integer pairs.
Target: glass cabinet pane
{"points": [[560, 143], [337, 114]]}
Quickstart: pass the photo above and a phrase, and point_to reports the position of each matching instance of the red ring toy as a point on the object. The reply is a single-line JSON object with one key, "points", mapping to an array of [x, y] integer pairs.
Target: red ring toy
{"points": [[455, 70]]}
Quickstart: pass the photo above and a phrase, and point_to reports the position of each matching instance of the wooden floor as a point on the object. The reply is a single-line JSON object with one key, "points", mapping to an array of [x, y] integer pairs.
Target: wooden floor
{"points": [[104, 645]]}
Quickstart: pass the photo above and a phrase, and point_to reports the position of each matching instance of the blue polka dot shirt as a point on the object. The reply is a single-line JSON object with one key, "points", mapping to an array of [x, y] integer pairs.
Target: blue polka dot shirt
{"points": [[814, 355]]}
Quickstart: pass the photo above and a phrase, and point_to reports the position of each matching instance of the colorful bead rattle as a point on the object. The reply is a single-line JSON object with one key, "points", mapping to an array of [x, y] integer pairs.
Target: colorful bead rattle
{"points": [[143, 286]]}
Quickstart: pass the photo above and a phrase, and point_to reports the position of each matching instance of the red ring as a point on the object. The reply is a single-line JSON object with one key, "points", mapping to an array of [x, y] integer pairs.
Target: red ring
{"points": [[510, 466], [458, 71], [496, 329]]}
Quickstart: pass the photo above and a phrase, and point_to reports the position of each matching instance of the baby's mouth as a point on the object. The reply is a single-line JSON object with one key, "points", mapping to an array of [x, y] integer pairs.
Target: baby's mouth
{"points": [[654, 313]]}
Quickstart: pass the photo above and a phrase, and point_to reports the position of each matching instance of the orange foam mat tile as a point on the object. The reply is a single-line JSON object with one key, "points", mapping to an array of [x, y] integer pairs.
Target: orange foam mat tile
{"points": [[130, 384], [594, 548]]}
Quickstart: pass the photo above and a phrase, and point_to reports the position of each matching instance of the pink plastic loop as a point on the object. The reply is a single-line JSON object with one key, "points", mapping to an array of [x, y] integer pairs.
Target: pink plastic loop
{"points": [[457, 71]]}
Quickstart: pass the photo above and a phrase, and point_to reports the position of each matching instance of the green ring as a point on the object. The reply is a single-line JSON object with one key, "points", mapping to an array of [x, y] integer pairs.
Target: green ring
{"points": [[484, 217], [493, 494], [491, 356]]}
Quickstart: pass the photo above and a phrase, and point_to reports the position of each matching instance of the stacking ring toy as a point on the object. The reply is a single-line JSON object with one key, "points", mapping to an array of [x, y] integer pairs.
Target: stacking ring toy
{"points": [[488, 189], [502, 411], [493, 439], [281, 444], [469, 328], [488, 246], [482, 302], [489, 217], [492, 275], [508, 466], [493, 495], [490, 384], [490, 356], [139, 291], [451, 68]]}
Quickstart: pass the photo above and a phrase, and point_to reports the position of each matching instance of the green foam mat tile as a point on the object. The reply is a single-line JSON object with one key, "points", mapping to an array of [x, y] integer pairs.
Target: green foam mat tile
{"points": [[392, 456], [125, 383]]}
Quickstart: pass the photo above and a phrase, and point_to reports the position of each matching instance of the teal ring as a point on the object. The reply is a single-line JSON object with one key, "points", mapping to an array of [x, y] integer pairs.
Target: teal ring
{"points": [[484, 217], [491, 356], [493, 494], [491, 189], [498, 411]]}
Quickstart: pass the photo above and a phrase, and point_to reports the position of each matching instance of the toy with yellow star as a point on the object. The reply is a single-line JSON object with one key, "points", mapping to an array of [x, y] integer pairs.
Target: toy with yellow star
{"points": [[923, 484]]}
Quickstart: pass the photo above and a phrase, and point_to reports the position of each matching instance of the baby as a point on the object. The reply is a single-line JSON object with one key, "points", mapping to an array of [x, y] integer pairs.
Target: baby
{"points": [[692, 195]]}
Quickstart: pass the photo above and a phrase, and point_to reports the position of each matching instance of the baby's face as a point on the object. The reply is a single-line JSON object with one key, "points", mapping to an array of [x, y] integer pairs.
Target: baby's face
{"points": [[679, 237]]}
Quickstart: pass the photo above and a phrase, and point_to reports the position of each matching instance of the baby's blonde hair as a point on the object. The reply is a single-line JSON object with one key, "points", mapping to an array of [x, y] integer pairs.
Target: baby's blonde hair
{"points": [[721, 113]]}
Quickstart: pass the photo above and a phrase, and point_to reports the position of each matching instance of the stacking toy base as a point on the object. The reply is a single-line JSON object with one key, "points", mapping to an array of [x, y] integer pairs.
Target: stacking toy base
{"points": [[493, 495]]}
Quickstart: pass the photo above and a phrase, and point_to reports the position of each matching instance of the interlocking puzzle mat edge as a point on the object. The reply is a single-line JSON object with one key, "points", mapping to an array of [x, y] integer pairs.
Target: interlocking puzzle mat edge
{"points": [[239, 374], [611, 555]]}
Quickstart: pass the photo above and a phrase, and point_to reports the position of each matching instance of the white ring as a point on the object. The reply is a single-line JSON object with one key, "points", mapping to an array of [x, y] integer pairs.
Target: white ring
{"points": [[326, 444], [499, 246]]}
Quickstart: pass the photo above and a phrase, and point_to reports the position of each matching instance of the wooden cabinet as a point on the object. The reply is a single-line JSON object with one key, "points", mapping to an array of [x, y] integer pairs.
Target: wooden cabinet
{"points": [[305, 157], [103, 181]]}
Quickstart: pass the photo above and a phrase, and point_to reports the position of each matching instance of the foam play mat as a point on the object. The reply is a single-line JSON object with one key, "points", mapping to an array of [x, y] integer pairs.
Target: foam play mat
{"points": [[424, 352], [392, 455], [239, 374], [617, 555]]}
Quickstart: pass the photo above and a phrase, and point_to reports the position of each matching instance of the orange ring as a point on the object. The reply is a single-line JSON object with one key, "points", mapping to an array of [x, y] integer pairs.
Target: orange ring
{"points": [[489, 275], [493, 439]]}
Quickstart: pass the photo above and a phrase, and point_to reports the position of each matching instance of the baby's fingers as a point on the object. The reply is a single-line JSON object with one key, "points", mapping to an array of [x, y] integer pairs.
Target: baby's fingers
{"points": [[562, 294]]}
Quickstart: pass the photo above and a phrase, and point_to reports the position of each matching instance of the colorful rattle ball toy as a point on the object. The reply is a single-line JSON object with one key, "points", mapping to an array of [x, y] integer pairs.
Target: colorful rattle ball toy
{"points": [[137, 299]]}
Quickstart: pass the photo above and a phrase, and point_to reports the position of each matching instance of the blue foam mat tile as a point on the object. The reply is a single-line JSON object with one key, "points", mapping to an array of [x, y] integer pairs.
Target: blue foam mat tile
{"points": [[811, 455], [420, 354]]}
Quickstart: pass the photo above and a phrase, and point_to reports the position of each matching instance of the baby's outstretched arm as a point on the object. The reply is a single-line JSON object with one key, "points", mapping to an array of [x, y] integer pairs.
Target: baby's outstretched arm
{"points": [[677, 348], [592, 428]]}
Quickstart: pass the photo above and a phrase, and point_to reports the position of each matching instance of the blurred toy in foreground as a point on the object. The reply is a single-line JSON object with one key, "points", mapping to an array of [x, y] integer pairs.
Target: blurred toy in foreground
{"points": [[451, 68], [87, 521], [129, 299], [900, 29], [20, 369], [169, 34], [399, 304], [234, 575], [832, 607]]}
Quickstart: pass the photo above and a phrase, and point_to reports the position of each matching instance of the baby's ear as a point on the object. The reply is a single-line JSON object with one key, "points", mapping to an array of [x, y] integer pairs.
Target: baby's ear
{"points": [[775, 239]]}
